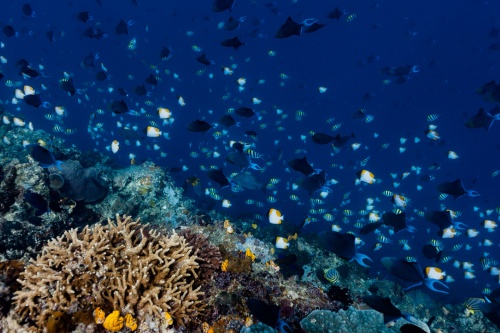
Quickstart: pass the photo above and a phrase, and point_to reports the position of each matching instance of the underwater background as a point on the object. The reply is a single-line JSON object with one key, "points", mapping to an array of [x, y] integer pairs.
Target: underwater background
{"points": [[139, 119]]}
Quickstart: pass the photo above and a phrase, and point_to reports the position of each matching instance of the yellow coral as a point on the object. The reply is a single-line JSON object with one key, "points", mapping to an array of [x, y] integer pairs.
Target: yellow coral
{"points": [[224, 265], [113, 322], [99, 316], [130, 322], [250, 254], [168, 319]]}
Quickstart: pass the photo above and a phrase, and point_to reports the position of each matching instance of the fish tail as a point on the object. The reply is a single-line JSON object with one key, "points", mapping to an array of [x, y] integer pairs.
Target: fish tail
{"points": [[359, 257], [58, 164]]}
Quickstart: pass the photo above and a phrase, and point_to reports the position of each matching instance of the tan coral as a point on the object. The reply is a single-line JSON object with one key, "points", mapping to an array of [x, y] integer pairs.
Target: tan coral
{"points": [[123, 265]]}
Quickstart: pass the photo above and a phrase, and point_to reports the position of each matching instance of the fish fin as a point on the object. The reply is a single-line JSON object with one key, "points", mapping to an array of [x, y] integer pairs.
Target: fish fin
{"points": [[412, 286], [411, 228], [430, 284], [459, 225], [58, 164], [472, 193], [359, 257]]}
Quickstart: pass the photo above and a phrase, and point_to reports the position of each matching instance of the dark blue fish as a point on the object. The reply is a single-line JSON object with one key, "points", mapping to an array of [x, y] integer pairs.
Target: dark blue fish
{"points": [[370, 227], [288, 29], [456, 189], [385, 306], [234, 42], [119, 107], [301, 165], [490, 92], [37, 201], [68, 85], [397, 221], [322, 138], [410, 272], [203, 59], [443, 219], [343, 245], [483, 119], [335, 14], [43, 156], [314, 182], [491, 311], [268, 314], [409, 328], [218, 177], [198, 126], [431, 252], [222, 5]]}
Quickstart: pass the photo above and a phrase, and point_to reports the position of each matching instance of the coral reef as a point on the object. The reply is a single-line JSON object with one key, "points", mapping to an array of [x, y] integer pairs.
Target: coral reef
{"points": [[349, 321], [79, 184], [8, 190], [122, 266], [258, 328], [9, 273], [209, 257]]}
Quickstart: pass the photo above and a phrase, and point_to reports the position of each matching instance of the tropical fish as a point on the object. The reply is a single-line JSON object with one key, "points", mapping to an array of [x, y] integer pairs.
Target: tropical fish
{"points": [[248, 181], [335, 14], [322, 138], [385, 306], [332, 275], [370, 227], [118, 107], [203, 59], [456, 189], [288, 29], [483, 119], [222, 5], [301, 165], [43, 156], [218, 176], [490, 92], [37, 201], [397, 221], [410, 272], [432, 252], [275, 216], [343, 245], [199, 126], [234, 42]]}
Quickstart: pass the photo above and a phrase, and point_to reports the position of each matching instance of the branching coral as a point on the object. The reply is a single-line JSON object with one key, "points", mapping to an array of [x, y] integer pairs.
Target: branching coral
{"points": [[209, 256], [122, 266]]}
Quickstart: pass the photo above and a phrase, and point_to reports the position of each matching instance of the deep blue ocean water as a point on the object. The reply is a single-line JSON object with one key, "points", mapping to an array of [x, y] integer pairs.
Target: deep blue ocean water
{"points": [[449, 41]]}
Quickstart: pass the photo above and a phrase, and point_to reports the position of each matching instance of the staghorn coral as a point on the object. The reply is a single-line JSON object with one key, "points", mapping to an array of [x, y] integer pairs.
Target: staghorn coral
{"points": [[209, 256], [122, 266]]}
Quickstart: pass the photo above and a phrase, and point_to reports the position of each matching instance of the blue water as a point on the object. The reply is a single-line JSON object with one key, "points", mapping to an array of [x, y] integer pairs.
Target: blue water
{"points": [[448, 41]]}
